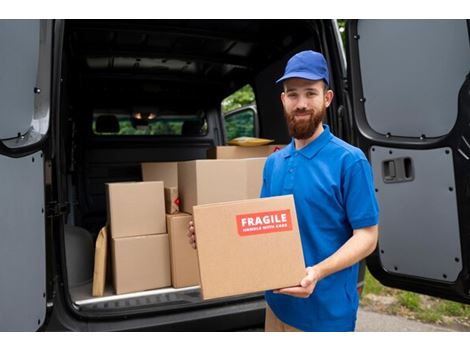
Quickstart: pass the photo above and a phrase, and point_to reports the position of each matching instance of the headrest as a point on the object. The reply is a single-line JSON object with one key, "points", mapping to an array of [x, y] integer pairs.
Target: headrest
{"points": [[191, 128], [107, 124]]}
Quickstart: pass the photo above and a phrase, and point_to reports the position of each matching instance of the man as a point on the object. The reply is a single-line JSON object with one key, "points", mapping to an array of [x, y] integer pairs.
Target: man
{"points": [[335, 201]]}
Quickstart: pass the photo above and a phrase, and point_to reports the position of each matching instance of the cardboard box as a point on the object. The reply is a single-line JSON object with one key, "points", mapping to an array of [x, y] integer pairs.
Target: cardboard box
{"points": [[172, 200], [141, 263], [254, 179], [213, 181], [184, 265], [238, 152], [248, 246], [136, 208], [166, 172], [101, 262]]}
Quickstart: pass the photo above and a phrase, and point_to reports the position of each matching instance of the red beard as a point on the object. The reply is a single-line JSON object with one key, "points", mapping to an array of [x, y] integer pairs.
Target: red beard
{"points": [[305, 128]]}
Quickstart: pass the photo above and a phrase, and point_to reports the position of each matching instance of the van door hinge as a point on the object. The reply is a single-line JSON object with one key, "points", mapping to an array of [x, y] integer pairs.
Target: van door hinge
{"points": [[55, 209]]}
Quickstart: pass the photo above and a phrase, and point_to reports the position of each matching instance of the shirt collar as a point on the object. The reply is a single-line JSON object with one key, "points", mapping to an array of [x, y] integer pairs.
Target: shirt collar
{"points": [[311, 149]]}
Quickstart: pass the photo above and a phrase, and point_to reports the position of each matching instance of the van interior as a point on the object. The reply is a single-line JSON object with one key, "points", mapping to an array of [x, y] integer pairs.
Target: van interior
{"points": [[151, 91]]}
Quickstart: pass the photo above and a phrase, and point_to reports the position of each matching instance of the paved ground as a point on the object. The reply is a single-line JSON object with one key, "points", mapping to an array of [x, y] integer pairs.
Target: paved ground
{"points": [[368, 321], [371, 321]]}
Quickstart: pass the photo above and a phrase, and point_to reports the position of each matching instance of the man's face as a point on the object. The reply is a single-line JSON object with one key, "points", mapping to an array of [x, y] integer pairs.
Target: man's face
{"points": [[305, 104]]}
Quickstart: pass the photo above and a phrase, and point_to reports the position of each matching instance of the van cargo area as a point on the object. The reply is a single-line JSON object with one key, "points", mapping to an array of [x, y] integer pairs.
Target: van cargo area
{"points": [[179, 71]]}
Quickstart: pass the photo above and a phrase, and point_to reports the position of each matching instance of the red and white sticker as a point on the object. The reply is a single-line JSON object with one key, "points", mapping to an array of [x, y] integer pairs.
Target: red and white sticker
{"points": [[265, 222]]}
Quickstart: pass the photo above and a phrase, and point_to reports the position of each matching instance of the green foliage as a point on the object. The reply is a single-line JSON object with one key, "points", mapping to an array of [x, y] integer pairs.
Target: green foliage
{"points": [[454, 309], [410, 300], [342, 30], [240, 124], [429, 316], [155, 128], [371, 285], [424, 308], [243, 96]]}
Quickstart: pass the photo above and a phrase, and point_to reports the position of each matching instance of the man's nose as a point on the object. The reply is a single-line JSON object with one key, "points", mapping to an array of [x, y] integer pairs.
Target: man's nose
{"points": [[302, 103]]}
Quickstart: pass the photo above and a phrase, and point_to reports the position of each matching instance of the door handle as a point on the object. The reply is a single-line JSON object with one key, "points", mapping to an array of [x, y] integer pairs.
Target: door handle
{"points": [[398, 170]]}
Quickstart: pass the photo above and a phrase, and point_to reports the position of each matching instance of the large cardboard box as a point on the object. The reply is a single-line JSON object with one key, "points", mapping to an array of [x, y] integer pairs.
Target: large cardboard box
{"points": [[164, 171], [254, 176], [184, 265], [213, 181], [248, 246], [136, 208], [141, 263], [238, 152]]}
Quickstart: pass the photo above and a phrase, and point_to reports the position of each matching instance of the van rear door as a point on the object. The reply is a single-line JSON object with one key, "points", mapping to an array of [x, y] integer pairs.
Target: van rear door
{"points": [[410, 92], [25, 57]]}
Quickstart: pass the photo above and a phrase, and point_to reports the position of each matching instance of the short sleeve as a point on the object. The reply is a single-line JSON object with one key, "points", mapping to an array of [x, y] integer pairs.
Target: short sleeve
{"points": [[359, 195]]}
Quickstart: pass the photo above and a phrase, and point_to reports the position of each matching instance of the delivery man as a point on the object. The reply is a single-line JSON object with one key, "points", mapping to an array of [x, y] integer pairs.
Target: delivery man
{"points": [[337, 211]]}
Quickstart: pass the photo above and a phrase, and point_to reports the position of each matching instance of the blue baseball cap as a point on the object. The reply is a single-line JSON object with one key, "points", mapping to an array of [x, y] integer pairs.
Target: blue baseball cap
{"points": [[307, 64]]}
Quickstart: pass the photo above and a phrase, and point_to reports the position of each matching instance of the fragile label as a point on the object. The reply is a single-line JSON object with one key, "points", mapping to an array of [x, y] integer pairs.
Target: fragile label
{"points": [[265, 222]]}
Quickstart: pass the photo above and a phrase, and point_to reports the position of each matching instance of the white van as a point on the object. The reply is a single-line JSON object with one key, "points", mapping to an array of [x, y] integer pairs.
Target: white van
{"points": [[68, 93]]}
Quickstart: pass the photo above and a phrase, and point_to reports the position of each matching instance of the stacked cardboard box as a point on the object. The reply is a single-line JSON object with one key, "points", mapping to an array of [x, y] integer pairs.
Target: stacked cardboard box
{"points": [[184, 265], [238, 152], [167, 172], [183, 258], [172, 200], [213, 181], [139, 242]]}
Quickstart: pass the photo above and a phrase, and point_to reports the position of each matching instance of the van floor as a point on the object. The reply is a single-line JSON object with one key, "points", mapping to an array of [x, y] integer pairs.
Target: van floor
{"points": [[81, 296]]}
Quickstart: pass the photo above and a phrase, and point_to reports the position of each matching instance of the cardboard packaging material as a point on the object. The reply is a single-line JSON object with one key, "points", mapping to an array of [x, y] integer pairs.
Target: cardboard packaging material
{"points": [[184, 264], [136, 208], [213, 181], [248, 246], [101, 261], [254, 176], [172, 200], [141, 263], [238, 152], [165, 171]]}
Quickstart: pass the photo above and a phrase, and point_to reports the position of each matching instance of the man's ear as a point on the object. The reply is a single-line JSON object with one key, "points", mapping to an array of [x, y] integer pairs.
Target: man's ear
{"points": [[283, 97], [328, 97]]}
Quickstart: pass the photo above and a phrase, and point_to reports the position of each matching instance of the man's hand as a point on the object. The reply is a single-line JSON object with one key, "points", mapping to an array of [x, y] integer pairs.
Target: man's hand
{"points": [[192, 235], [306, 287]]}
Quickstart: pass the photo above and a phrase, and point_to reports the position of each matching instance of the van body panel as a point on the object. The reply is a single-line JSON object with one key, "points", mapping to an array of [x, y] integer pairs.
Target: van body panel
{"points": [[19, 56], [411, 84], [406, 198], [22, 177], [409, 89], [22, 243]]}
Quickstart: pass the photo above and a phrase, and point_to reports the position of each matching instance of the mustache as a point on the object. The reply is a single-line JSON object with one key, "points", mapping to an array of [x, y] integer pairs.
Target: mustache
{"points": [[302, 111]]}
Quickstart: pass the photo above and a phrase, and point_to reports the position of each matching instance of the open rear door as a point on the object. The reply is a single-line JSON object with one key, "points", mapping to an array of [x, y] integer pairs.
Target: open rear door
{"points": [[25, 58], [410, 92]]}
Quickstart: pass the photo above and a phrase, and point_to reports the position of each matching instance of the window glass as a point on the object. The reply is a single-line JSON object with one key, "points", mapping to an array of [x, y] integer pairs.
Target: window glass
{"points": [[109, 122], [239, 110], [240, 124]]}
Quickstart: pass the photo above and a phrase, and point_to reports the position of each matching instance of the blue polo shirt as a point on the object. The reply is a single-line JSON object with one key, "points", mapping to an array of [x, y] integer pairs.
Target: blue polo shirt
{"points": [[333, 191]]}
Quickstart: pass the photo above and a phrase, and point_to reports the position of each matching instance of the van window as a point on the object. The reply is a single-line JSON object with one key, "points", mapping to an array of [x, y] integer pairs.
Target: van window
{"points": [[240, 113], [110, 122], [240, 124]]}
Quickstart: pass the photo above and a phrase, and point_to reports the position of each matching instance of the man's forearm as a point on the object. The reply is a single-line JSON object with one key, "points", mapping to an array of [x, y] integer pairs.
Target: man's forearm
{"points": [[359, 246]]}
